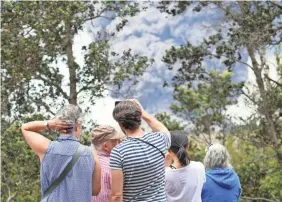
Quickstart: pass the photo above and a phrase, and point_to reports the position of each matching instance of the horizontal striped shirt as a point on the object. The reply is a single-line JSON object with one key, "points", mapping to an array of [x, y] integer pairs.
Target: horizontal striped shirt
{"points": [[106, 176], [143, 167]]}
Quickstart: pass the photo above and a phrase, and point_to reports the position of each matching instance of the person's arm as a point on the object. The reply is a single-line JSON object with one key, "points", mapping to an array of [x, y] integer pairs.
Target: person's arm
{"points": [[154, 123], [116, 165], [37, 142], [117, 186], [96, 178]]}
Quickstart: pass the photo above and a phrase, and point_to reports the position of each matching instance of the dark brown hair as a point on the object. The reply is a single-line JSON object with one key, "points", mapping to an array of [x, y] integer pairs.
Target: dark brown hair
{"points": [[179, 143], [128, 115]]}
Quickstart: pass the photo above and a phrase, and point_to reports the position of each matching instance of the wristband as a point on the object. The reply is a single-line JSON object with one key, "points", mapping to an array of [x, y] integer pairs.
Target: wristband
{"points": [[46, 125]]}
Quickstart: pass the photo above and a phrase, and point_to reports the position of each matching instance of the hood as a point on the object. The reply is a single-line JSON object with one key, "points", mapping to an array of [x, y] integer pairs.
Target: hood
{"points": [[224, 177]]}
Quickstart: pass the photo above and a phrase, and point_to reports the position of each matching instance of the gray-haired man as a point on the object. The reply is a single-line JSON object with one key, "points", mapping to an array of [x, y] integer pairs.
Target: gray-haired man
{"points": [[84, 178]]}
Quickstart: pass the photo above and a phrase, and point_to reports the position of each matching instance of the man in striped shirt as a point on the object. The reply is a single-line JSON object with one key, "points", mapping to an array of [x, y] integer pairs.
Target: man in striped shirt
{"points": [[104, 139], [137, 164]]}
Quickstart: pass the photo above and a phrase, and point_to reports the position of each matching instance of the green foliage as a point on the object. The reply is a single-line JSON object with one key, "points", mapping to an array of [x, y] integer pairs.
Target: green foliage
{"points": [[170, 123], [37, 43], [205, 105], [252, 26], [85, 138], [20, 167], [244, 27], [257, 167], [196, 151]]}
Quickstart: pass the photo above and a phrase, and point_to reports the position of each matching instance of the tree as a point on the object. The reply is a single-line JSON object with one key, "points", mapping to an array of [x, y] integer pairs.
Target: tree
{"points": [[170, 123], [251, 28], [37, 47], [19, 166], [257, 167], [40, 73], [196, 151], [205, 105]]}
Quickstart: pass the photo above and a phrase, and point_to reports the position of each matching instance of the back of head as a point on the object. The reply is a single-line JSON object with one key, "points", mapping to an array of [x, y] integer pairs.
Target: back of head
{"points": [[128, 115], [71, 114], [179, 143], [217, 156]]}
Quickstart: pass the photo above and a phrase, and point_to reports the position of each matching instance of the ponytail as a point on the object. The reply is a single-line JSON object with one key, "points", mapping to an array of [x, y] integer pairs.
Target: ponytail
{"points": [[181, 154]]}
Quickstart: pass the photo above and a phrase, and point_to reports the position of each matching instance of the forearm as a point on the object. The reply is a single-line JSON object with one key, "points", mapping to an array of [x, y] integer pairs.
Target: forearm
{"points": [[96, 184], [154, 124], [34, 126], [116, 194], [34, 139]]}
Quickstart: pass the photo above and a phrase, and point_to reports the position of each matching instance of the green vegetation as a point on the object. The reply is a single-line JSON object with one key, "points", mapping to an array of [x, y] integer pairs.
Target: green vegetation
{"points": [[37, 39]]}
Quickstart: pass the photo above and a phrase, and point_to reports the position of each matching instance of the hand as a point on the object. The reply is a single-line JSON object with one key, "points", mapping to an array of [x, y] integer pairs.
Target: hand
{"points": [[59, 125]]}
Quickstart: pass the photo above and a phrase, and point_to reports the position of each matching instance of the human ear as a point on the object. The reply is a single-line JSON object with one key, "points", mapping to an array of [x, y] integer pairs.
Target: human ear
{"points": [[105, 146]]}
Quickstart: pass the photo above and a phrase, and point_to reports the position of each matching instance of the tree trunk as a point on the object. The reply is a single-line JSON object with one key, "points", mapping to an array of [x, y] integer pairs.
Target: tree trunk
{"points": [[272, 133], [72, 70]]}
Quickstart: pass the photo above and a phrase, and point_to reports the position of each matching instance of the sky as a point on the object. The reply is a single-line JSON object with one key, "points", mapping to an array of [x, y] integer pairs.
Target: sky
{"points": [[150, 33]]}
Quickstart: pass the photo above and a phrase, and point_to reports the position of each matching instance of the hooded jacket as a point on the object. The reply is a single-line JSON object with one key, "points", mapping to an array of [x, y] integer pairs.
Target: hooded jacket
{"points": [[222, 185]]}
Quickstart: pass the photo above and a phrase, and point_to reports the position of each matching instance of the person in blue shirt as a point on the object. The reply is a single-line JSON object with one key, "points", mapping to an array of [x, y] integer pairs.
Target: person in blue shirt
{"points": [[84, 178], [222, 183]]}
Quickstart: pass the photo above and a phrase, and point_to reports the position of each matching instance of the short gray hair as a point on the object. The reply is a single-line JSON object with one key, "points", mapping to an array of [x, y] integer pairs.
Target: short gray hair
{"points": [[217, 156], [70, 113]]}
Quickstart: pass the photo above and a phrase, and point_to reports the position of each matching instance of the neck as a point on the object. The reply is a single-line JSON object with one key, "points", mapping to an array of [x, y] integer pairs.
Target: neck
{"points": [[176, 163], [102, 151], [135, 133], [67, 134]]}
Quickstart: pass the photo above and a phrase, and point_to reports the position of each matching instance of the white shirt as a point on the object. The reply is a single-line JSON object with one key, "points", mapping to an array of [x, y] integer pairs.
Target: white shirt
{"points": [[185, 184]]}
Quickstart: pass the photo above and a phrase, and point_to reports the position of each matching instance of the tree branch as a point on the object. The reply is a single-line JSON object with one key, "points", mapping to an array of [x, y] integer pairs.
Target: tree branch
{"points": [[55, 85], [251, 99], [10, 197], [270, 79], [236, 60], [44, 105], [97, 16], [276, 4], [259, 198]]}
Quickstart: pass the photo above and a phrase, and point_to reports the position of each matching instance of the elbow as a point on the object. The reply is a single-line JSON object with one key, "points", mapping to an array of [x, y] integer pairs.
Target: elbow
{"points": [[116, 198], [96, 190]]}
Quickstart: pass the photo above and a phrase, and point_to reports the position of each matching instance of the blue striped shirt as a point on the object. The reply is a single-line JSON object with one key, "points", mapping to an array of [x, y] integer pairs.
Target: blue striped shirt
{"points": [[143, 167]]}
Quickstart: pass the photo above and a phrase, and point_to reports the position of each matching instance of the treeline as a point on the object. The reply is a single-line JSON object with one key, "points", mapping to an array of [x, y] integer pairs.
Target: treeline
{"points": [[37, 36]]}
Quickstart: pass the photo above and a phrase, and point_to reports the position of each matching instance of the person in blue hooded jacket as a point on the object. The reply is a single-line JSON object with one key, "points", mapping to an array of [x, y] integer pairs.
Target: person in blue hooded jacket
{"points": [[222, 183]]}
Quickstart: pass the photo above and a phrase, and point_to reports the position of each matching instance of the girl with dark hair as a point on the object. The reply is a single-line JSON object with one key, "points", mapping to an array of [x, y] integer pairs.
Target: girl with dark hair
{"points": [[184, 178]]}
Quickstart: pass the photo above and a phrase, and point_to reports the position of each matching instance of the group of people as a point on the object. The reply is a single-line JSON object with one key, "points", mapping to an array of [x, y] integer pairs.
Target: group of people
{"points": [[134, 166]]}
